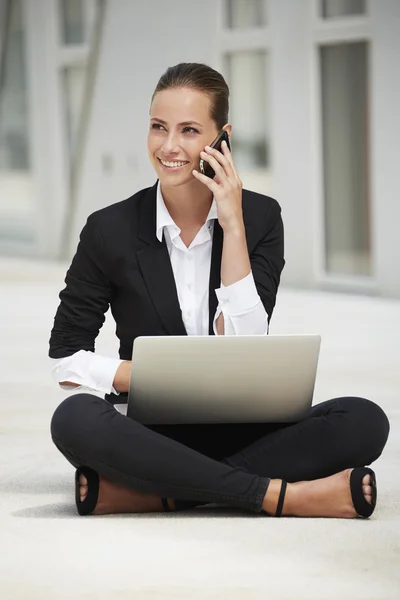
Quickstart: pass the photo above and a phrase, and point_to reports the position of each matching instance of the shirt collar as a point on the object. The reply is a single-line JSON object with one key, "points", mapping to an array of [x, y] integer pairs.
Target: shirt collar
{"points": [[164, 219]]}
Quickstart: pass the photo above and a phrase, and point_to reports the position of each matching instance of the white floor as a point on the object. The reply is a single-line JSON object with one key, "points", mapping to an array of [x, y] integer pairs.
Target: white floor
{"points": [[47, 551]]}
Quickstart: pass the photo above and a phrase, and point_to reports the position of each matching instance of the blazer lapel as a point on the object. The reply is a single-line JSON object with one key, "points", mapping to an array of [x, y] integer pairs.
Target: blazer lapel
{"points": [[215, 273], [155, 265]]}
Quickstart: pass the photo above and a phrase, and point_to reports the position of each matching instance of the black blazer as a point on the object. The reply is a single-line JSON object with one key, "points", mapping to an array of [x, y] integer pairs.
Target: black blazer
{"points": [[120, 263]]}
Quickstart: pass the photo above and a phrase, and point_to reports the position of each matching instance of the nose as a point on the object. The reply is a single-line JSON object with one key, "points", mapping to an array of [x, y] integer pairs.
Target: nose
{"points": [[171, 145]]}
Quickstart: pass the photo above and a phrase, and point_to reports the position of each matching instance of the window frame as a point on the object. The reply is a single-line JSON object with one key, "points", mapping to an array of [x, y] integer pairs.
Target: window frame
{"points": [[326, 32], [248, 39]]}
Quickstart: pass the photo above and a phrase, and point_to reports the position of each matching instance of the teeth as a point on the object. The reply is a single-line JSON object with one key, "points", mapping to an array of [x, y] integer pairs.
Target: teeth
{"points": [[173, 164]]}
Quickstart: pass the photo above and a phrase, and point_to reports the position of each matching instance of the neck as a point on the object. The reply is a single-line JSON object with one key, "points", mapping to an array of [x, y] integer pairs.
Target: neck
{"points": [[188, 204]]}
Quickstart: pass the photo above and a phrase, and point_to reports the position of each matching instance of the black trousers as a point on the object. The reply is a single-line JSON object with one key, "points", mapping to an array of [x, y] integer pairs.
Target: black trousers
{"points": [[228, 464]]}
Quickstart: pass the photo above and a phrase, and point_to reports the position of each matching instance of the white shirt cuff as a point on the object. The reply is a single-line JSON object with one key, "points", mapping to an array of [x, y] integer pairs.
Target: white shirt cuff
{"points": [[238, 298], [244, 313], [87, 369]]}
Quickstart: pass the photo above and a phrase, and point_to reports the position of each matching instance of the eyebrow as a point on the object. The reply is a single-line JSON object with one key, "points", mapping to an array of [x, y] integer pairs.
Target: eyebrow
{"points": [[183, 123]]}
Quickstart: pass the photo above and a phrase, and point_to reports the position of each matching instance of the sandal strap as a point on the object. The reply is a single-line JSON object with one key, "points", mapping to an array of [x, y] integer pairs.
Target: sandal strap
{"points": [[281, 499], [165, 505]]}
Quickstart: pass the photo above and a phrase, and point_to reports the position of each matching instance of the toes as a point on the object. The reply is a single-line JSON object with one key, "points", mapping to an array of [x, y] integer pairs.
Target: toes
{"points": [[367, 488], [83, 487], [367, 491], [83, 492]]}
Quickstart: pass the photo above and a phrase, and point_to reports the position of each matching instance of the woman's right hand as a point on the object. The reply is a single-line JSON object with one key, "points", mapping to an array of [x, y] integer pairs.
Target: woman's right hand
{"points": [[123, 377]]}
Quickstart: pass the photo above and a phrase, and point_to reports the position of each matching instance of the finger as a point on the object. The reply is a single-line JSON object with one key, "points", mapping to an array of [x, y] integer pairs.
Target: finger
{"points": [[228, 155], [212, 161], [222, 160], [210, 183]]}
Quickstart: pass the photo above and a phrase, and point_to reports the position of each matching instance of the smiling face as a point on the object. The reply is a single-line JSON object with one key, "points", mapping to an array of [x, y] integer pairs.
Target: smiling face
{"points": [[180, 127]]}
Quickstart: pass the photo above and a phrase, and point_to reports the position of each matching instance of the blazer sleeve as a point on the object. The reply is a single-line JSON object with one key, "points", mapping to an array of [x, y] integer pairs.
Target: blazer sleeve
{"points": [[267, 259], [86, 297]]}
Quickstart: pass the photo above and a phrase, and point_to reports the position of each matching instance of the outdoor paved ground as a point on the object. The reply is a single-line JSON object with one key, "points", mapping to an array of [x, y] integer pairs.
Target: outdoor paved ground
{"points": [[47, 551]]}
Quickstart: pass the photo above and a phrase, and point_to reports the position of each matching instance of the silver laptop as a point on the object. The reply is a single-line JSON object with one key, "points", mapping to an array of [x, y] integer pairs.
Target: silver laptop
{"points": [[222, 379]]}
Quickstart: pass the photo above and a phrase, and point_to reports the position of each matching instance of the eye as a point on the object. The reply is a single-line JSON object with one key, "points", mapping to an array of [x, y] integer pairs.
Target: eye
{"points": [[156, 126], [190, 130]]}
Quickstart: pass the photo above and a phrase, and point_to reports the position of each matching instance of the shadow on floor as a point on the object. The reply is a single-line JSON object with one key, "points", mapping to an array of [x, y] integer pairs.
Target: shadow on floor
{"points": [[67, 511]]}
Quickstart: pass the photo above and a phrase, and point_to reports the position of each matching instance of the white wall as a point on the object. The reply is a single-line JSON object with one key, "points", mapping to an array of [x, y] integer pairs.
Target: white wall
{"points": [[140, 41], [385, 110], [291, 80]]}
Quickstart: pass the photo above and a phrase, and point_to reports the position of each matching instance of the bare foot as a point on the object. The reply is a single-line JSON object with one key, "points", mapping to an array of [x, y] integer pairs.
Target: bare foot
{"points": [[115, 498], [326, 497]]}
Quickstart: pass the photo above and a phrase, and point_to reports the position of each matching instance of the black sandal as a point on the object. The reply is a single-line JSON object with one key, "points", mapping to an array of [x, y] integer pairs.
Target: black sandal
{"points": [[362, 507], [89, 504]]}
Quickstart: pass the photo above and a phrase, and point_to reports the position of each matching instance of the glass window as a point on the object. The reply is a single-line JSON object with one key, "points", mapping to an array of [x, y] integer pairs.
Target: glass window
{"points": [[245, 13], [74, 82], [345, 129], [246, 74], [16, 181], [14, 115], [73, 21], [342, 8]]}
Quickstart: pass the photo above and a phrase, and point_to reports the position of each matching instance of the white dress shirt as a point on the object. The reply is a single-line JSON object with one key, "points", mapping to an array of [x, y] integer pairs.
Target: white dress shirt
{"points": [[243, 311]]}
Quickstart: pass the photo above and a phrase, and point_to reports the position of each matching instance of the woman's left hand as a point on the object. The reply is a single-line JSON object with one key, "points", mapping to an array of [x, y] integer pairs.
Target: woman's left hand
{"points": [[226, 186]]}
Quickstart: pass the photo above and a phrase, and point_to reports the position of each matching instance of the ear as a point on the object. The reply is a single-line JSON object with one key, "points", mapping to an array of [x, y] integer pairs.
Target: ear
{"points": [[228, 129]]}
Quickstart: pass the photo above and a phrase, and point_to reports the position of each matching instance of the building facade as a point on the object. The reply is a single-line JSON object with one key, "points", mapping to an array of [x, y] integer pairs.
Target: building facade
{"points": [[315, 97]]}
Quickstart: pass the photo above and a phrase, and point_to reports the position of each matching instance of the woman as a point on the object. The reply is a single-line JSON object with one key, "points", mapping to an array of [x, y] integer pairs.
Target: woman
{"points": [[194, 255]]}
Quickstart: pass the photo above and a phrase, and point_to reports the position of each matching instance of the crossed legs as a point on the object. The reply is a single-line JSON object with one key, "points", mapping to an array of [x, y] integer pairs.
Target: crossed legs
{"points": [[240, 465]]}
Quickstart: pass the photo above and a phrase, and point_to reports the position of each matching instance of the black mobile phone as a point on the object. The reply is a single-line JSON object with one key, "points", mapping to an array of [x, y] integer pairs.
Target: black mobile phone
{"points": [[204, 165]]}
